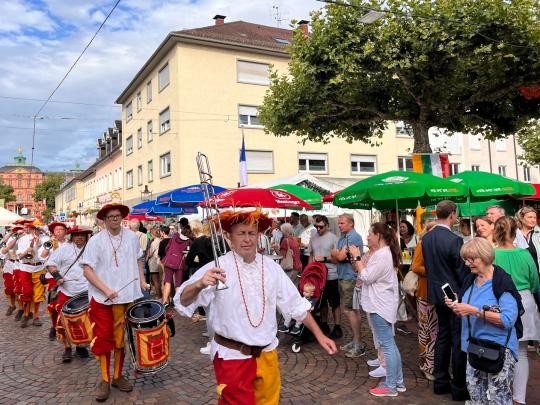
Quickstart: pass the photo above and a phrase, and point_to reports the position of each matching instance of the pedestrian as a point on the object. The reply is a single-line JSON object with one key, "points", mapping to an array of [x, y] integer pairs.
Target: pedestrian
{"points": [[441, 250], [290, 242], [347, 282], [113, 264], [528, 235], [243, 316], [484, 228], [377, 271]]}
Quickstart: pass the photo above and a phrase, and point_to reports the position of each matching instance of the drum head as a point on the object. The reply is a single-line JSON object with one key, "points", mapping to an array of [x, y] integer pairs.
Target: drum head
{"points": [[145, 311], [76, 304]]}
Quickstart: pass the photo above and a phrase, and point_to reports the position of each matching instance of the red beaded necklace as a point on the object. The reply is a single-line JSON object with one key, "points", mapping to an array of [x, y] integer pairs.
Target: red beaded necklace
{"points": [[244, 297]]}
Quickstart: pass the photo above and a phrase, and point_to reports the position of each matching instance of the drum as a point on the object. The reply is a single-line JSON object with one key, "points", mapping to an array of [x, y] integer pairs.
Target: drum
{"points": [[148, 336], [76, 320]]}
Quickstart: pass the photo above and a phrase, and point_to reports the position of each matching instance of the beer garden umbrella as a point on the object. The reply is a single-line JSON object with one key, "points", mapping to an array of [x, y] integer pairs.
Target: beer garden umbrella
{"points": [[151, 208], [259, 197], [188, 196], [481, 186], [311, 197]]}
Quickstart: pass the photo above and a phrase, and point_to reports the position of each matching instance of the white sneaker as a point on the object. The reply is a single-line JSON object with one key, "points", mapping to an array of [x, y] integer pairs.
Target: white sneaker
{"points": [[401, 387], [373, 363], [378, 372], [206, 349]]}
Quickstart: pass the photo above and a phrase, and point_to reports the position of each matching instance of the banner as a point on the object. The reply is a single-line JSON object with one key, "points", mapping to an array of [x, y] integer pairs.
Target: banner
{"points": [[436, 164]]}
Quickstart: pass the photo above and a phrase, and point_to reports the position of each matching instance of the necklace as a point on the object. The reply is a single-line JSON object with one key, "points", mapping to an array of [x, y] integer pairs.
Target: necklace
{"points": [[115, 249], [244, 297]]}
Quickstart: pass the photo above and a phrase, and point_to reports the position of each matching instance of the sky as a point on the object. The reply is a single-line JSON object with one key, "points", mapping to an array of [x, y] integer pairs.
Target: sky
{"points": [[40, 40]]}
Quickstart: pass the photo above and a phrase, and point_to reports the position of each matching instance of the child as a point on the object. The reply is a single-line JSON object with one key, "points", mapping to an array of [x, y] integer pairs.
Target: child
{"points": [[308, 291]]}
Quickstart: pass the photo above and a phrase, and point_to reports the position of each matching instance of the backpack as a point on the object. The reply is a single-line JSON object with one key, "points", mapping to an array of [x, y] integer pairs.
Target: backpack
{"points": [[174, 253]]}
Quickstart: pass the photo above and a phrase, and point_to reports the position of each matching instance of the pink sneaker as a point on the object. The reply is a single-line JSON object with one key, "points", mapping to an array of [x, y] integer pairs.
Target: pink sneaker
{"points": [[382, 391]]}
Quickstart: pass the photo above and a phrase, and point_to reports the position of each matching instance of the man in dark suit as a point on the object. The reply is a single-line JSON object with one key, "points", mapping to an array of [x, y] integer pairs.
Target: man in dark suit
{"points": [[441, 249]]}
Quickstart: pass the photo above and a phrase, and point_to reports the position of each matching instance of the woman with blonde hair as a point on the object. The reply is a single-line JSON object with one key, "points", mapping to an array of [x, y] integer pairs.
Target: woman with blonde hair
{"points": [[484, 228], [528, 235], [427, 316]]}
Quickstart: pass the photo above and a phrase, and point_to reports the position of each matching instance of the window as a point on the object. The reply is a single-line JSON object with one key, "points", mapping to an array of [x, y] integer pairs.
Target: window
{"points": [[502, 170], [260, 161], [526, 173], [165, 165], [28, 182], [403, 129], [313, 162], [150, 173], [405, 164], [139, 101], [29, 197], [475, 168], [454, 168], [164, 121], [149, 91], [149, 131], [163, 77], [500, 145], [129, 145], [363, 164], [253, 72], [139, 138], [139, 175], [282, 41], [19, 197], [19, 183], [129, 111], [474, 142], [247, 115], [129, 179]]}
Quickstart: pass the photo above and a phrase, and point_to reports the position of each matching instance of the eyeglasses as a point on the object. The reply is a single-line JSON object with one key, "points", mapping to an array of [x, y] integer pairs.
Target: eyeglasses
{"points": [[114, 217], [469, 259], [319, 226]]}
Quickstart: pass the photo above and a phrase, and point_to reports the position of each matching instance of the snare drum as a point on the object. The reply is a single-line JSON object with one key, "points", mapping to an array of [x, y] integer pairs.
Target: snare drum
{"points": [[76, 320], [148, 336]]}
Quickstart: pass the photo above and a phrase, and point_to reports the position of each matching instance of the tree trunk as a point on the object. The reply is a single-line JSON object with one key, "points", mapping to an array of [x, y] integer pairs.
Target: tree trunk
{"points": [[421, 138]]}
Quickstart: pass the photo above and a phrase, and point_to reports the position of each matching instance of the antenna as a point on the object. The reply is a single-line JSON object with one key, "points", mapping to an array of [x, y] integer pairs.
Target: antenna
{"points": [[276, 15]]}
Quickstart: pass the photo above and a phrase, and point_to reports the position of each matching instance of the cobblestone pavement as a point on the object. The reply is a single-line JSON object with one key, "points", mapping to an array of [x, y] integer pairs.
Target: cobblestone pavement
{"points": [[31, 372]]}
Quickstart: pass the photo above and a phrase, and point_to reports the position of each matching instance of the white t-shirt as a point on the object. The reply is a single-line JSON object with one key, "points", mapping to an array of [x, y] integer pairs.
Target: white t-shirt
{"points": [[63, 257]]}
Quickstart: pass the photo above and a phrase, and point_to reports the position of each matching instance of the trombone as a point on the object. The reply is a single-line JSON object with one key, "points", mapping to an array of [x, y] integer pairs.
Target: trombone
{"points": [[210, 209]]}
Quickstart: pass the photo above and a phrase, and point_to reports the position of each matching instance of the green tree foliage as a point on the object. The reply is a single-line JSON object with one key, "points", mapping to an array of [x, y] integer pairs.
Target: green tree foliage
{"points": [[6, 193], [529, 139], [47, 190], [452, 64]]}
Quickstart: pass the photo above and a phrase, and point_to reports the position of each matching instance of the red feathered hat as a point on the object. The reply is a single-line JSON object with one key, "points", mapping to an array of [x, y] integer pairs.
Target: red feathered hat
{"points": [[252, 218], [124, 210], [53, 225], [79, 229]]}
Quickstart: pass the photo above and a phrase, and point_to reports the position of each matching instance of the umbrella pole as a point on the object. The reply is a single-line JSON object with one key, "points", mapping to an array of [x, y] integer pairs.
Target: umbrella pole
{"points": [[397, 225], [470, 213]]}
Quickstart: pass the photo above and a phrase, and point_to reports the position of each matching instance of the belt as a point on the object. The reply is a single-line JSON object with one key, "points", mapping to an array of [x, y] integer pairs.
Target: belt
{"points": [[247, 350], [35, 264]]}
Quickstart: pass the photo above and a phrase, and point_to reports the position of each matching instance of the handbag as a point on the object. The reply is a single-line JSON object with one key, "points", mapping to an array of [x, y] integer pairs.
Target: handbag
{"points": [[410, 283], [485, 355], [287, 263]]}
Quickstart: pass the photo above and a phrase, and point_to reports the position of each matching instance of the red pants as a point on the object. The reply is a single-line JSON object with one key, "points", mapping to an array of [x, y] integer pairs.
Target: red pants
{"points": [[57, 306], [26, 287], [8, 283], [17, 288], [108, 326]]}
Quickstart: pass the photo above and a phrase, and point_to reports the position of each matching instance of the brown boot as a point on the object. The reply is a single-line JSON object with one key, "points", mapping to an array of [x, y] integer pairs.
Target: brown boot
{"points": [[10, 310], [102, 391], [19, 315], [122, 384]]}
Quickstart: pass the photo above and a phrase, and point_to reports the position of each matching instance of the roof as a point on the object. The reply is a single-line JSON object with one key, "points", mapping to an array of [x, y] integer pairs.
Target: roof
{"points": [[236, 35], [10, 168]]}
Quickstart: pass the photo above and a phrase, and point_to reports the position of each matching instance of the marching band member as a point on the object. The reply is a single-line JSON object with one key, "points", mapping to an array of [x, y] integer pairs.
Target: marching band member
{"points": [[113, 265], [32, 290], [63, 266], [6, 255], [58, 237], [243, 316], [13, 265]]}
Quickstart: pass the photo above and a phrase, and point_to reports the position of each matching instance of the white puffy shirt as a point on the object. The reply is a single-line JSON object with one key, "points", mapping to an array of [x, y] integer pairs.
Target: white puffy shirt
{"points": [[227, 312], [99, 255], [62, 258]]}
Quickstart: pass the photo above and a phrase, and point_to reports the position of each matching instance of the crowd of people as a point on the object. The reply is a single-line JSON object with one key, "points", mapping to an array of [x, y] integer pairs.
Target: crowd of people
{"points": [[473, 290]]}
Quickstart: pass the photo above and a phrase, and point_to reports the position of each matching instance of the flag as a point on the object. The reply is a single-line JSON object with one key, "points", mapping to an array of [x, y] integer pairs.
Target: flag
{"points": [[436, 164], [243, 165]]}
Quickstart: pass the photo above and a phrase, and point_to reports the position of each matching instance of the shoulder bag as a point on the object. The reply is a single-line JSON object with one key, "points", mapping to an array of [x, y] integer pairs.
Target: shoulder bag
{"points": [[485, 355], [287, 263]]}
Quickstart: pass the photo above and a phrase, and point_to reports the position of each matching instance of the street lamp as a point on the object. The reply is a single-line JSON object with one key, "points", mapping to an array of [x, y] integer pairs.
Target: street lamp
{"points": [[97, 203], [146, 195], [371, 16]]}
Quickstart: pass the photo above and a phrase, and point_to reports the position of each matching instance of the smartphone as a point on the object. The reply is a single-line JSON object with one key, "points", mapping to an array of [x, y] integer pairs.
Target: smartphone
{"points": [[448, 292]]}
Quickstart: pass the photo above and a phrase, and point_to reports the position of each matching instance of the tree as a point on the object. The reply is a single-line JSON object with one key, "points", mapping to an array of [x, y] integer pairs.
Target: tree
{"points": [[453, 64], [47, 191], [6, 193], [529, 139]]}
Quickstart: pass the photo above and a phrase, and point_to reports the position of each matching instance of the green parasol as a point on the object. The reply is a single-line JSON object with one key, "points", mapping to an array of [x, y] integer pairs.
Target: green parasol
{"points": [[481, 186], [398, 189], [311, 197]]}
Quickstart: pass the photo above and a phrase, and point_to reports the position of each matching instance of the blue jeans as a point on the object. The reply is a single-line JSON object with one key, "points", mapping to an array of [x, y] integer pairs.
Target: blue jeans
{"points": [[385, 336]]}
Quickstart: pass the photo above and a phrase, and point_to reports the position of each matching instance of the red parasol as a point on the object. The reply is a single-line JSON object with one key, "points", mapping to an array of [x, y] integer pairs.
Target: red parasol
{"points": [[259, 197], [329, 198]]}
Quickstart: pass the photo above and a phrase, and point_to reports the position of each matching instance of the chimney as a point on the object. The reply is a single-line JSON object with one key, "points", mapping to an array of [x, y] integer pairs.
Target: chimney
{"points": [[219, 19], [303, 25]]}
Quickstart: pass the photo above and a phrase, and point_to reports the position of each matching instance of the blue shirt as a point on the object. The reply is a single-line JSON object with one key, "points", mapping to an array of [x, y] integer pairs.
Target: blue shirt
{"points": [[345, 270], [482, 329]]}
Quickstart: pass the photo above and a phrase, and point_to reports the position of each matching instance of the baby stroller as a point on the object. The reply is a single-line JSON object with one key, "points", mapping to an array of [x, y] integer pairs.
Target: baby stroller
{"points": [[315, 274]]}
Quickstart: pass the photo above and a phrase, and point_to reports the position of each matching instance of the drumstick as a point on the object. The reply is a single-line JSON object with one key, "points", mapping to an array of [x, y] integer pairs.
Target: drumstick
{"points": [[135, 279]]}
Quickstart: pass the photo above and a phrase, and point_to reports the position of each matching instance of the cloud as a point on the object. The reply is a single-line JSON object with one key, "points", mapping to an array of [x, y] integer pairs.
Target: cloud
{"points": [[40, 39]]}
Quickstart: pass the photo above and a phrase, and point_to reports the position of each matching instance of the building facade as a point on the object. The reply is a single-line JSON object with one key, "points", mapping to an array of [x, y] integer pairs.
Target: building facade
{"points": [[24, 179]]}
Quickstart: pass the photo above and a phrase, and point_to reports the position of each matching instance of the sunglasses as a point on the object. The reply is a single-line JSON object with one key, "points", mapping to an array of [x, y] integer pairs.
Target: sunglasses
{"points": [[319, 226]]}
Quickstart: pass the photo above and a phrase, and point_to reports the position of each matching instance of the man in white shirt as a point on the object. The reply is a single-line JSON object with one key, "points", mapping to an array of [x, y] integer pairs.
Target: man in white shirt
{"points": [[63, 266], [243, 315], [305, 236], [7, 254], [113, 266]]}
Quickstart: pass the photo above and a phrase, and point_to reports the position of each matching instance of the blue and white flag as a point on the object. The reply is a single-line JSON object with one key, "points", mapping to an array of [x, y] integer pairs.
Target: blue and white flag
{"points": [[243, 165]]}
